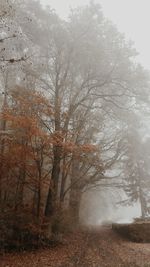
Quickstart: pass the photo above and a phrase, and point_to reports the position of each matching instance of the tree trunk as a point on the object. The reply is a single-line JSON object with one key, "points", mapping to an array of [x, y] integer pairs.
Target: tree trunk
{"points": [[142, 203], [53, 188], [75, 193], [3, 128], [20, 189], [75, 199], [141, 195]]}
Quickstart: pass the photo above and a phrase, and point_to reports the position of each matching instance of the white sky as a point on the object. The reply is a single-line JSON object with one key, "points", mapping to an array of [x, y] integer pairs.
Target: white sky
{"points": [[132, 17]]}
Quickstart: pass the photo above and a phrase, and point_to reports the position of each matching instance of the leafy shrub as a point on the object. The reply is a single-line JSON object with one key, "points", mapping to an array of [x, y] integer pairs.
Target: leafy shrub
{"points": [[21, 230], [138, 231]]}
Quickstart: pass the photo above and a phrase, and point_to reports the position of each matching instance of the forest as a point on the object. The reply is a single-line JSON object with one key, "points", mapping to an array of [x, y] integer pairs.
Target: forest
{"points": [[74, 119]]}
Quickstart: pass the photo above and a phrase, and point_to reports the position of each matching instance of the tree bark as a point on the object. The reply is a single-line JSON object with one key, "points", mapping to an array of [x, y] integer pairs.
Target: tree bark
{"points": [[53, 188], [75, 193]]}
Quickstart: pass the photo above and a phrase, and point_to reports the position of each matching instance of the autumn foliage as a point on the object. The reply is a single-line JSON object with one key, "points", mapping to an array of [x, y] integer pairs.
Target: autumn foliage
{"points": [[67, 88], [27, 155]]}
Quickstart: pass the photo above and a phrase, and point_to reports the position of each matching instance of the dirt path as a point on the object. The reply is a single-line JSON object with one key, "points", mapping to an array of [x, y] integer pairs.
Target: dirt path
{"points": [[95, 248]]}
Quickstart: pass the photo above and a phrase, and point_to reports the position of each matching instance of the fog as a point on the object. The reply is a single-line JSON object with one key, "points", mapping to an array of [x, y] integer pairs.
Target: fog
{"points": [[102, 207], [75, 109], [130, 17]]}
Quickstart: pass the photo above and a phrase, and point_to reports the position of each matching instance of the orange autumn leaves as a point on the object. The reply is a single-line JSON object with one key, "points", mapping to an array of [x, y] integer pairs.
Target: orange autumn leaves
{"points": [[25, 115]]}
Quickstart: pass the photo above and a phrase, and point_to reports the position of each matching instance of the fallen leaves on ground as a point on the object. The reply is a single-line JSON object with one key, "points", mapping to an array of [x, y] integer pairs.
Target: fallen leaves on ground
{"points": [[93, 248]]}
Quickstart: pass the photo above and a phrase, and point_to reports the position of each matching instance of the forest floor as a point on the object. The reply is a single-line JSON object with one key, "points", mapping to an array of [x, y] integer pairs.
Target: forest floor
{"points": [[100, 247]]}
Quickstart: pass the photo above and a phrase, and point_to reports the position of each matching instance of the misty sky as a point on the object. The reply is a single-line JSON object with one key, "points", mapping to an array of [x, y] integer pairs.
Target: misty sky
{"points": [[131, 17]]}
